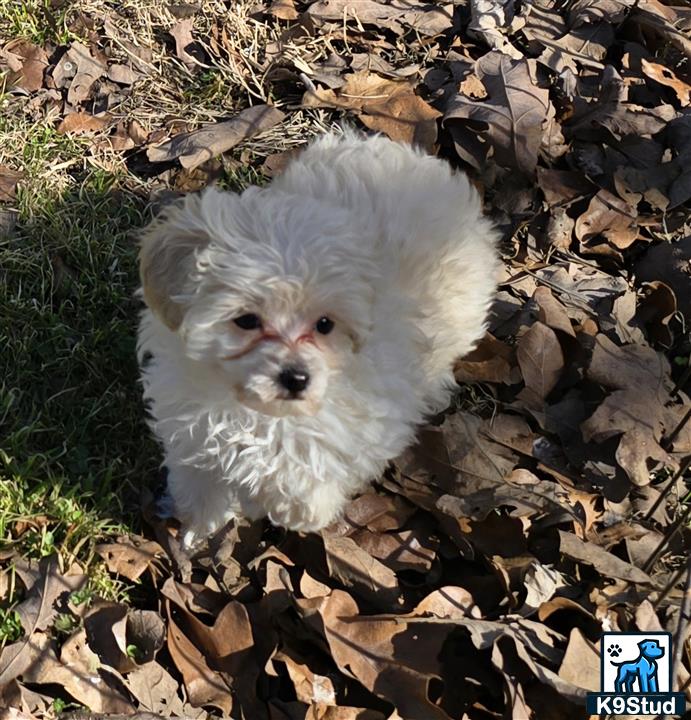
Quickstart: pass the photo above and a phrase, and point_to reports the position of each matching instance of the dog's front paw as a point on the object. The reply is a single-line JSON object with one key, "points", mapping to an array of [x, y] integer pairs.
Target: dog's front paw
{"points": [[194, 533], [190, 540]]}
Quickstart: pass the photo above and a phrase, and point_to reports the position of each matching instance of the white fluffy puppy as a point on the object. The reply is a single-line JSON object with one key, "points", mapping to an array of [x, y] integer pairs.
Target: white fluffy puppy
{"points": [[299, 333]]}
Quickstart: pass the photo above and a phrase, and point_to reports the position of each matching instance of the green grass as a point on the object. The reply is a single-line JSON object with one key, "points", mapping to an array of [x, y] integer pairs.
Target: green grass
{"points": [[74, 449], [39, 21]]}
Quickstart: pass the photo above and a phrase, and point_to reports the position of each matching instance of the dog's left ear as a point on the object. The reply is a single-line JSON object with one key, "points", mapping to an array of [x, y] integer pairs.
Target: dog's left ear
{"points": [[168, 255]]}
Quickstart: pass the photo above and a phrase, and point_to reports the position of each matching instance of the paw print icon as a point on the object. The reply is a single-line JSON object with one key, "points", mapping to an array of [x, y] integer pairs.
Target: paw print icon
{"points": [[614, 650]]}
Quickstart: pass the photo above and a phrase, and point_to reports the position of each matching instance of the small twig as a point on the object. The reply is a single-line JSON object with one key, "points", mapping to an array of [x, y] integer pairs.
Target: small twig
{"points": [[307, 82], [575, 297], [682, 625], [669, 587], [685, 376], [679, 473], [667, 442], [671, 532]]}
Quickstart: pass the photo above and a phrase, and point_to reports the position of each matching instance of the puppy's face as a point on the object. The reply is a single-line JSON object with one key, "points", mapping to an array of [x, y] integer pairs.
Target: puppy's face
{"points": [[265, 289], [279, 350]]}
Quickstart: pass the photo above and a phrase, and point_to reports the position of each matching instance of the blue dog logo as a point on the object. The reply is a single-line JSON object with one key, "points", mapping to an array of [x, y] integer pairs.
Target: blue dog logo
{"points": [[643, 669]]}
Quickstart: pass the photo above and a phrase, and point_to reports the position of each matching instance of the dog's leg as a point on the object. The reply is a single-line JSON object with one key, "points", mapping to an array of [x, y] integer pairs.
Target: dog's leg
{"points": [[201, 500]]}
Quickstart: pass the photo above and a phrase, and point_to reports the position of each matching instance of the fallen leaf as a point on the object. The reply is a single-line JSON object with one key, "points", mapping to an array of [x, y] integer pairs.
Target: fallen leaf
{"points": [[604, 562], [387, 657], [79, 675], [37, 613], [9, 179], [657, 308], [512, 115], [194, 148], [311, 588], [359, 90], [63, 72], [372, 63], [86, 69], [141, 56], [669, 263], [552, 313], [320, 711], [610, 217], [27, 63], [541, 361], [275, 164], [404, 550], [389, 106], [492, 21], [145, 630], [155, 690], [663, 21], [630, 367], [182, 34], [491, 361], [204, 686], [665, 76], [283, 10], [612, 110], [405, 118], [581, 663], [80, 123], [472, 87], [373, 511], [310, 687], [586, 12], [563, 186], [586, 292], [356, 568], [427, 19], [130, 557], [447, 602], [459, 458], [122, 74], [541, 583], [504, 660], [229, 647]]}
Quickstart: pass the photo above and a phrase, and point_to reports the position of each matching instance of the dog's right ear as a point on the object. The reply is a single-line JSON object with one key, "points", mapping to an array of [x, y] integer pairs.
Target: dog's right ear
{"points": [[168, 256]]}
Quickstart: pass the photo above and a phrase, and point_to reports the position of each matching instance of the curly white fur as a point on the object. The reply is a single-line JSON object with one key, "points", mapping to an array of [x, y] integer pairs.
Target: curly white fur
{"points": [[387, 243]]}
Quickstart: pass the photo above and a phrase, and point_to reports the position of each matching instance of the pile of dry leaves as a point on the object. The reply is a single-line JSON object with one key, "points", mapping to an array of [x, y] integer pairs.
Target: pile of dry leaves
{"points": [[474, 579]]}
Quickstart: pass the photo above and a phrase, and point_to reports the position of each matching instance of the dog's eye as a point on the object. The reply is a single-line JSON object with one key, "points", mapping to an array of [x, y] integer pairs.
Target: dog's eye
{"points": [[324, 325], [248, 322]]}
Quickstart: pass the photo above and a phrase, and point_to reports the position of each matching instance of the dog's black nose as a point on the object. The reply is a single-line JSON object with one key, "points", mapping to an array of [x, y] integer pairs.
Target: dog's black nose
{"points": [[294, 379]]}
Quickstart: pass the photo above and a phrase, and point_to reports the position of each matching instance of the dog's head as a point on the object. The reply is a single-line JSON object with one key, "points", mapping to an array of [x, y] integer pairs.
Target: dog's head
{"points": [[265, 288], [651, 649]]}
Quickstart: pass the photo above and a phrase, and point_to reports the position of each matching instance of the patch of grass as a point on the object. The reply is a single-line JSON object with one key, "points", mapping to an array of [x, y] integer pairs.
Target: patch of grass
{"points": [[39, 21], [74, 449], [10, 627]]}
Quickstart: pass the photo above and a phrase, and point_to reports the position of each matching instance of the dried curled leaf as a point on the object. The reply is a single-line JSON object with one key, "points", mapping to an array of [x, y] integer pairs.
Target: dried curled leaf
{"points": [[27, 63], [610, 217], [195, 148], [427, 19], [384, 105]]}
